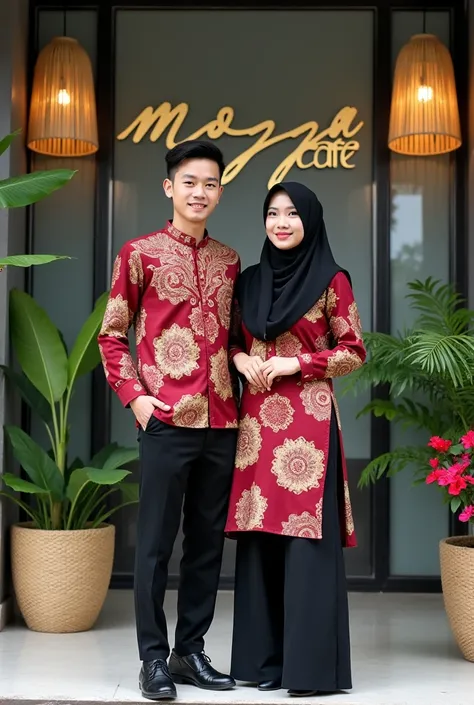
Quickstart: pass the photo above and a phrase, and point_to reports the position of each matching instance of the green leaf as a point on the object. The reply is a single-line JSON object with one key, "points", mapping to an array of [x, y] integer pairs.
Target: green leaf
{"points": [[5, 142], [457, 449], [395, 461], [130, 491], [29, 393], [455, 504], [20, 191], [113, 456], [121, 457], [85, 354], [106, 477], [77, 480], [100, 458], [40, 468], [38, 346], [19, 485], [26, 508], [29, 260]]}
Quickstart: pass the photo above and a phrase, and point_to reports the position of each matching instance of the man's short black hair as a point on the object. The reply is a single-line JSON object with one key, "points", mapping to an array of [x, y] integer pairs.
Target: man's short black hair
{"points": [[193, 149]]}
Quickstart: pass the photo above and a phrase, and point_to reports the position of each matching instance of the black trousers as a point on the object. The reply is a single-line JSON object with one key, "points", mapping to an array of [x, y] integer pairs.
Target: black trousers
{"points": [[291, 616], [177, 463]]}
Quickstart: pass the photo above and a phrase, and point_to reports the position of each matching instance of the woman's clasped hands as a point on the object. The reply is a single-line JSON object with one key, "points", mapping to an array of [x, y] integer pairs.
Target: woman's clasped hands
{"points": [[261, 374]]}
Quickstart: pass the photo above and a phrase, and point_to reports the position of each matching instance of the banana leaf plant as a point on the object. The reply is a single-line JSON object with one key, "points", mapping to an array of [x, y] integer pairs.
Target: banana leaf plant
{"points": [[429, 370], [20, 191], [65, 495]]}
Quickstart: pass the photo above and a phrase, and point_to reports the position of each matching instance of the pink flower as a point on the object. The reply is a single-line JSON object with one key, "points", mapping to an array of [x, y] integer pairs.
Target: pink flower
{"points": [[434, 476], [467, 513], [440, 444], [434, 462], [457, 485], [468, 440], [446, 477]]}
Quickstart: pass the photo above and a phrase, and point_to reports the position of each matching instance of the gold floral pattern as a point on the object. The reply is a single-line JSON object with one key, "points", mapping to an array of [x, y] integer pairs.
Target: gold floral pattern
{"points": [[336, 411], [350, 528], [104, 361], [255, 390], [331, 301], [175, 279], [116, 271], [224, 301], [305, 525], [191, 411], [117, 317], [276, 413], [316, 398], [135, 268], [317, 310], [306, 357], [153, 378], [355, 321], [251, 509], [322, 342], [249, 442], [342, 362], [176, 352], [220, 375], [287, 345], [339, 326], [127, 367], [259, 349], [232, 424], [204, 325], [140, 331], [298, 465]]}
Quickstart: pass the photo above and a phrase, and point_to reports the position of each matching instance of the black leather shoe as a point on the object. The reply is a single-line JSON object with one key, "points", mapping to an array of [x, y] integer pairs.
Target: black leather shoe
{"points": [[269, 685], [155, 681], [302, 693], [196, 669]]}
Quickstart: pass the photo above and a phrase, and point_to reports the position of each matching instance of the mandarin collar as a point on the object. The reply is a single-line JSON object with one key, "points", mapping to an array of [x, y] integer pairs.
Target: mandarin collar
{"points": [[184, 238]]}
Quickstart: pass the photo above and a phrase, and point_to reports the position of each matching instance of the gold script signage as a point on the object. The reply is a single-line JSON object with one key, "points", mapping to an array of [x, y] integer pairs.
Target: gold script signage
{"points": [[330, 148]]}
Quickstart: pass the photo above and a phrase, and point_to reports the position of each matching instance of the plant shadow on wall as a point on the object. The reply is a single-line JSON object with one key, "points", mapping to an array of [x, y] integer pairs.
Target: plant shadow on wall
{"points": [[429, 370]]}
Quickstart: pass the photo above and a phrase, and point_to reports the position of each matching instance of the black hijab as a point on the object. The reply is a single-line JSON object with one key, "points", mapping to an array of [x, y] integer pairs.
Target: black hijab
{"points": [[277, 292]]}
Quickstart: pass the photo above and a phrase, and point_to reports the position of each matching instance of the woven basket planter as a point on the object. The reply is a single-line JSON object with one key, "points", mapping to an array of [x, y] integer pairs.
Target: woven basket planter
{"points": [[457, 579], [61, 578]]}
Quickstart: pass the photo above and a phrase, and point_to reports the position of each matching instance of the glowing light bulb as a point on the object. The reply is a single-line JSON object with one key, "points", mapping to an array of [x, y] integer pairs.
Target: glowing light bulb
{"points": [[425, 94], [63, 97]]}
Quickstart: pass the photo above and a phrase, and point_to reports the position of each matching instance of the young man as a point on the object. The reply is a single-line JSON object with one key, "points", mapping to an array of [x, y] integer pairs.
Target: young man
{"points": [[176, 287]]}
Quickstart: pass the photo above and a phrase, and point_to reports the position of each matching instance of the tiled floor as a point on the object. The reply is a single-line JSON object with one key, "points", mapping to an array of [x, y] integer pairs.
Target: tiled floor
{"points": [[403, 654]]}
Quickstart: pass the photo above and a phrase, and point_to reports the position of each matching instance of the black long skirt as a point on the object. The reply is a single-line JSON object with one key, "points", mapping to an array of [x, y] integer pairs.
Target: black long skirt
{"points": [[291, 618]]}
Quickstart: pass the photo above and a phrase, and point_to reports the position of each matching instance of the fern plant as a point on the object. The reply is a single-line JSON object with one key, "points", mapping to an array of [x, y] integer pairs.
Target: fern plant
{"points": [[429, 371]]}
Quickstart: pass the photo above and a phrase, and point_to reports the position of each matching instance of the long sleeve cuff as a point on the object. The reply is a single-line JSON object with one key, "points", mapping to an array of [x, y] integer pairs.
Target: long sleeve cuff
{"points": [[129, 389]]}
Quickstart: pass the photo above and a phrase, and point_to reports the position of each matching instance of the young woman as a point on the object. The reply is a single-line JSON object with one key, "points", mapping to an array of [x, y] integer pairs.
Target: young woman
{"points": [[290, 508]]}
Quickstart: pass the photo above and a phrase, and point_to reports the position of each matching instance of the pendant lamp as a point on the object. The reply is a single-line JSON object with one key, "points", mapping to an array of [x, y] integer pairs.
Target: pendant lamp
{"points": [[424, 115], [63, 118]]}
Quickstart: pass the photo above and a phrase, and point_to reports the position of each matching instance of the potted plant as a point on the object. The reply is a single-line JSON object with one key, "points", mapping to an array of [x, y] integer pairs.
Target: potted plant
{"points": [[452, 470], [429, 372], [62, 558], [20, 191]]}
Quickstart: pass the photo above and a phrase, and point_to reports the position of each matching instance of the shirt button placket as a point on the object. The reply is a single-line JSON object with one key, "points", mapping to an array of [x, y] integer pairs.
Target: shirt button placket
{"points": [[200, 277]]}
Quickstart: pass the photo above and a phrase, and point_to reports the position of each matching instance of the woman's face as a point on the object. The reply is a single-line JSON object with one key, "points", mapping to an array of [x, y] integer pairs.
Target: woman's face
{"points": [[283, 224]]}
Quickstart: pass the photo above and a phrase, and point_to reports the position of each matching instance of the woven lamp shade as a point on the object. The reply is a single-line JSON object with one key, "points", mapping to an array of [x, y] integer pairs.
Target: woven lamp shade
{"points": [[424, 115], [63, 119]]}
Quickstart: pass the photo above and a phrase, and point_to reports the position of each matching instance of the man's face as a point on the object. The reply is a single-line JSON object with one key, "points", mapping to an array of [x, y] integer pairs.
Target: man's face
{"points": [[195, 189]]}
